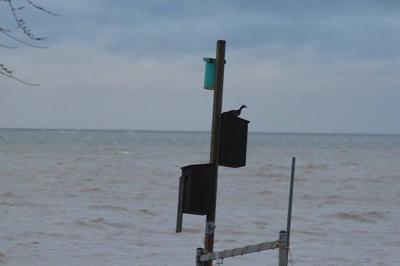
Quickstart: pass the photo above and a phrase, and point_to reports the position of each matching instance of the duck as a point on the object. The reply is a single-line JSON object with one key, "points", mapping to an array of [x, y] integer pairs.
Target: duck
{"points": [[235, 113]]}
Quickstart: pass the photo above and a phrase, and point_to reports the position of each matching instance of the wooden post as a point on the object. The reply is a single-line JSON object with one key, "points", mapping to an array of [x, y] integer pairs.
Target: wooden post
{"points": [[215, 140], [284, 236]]}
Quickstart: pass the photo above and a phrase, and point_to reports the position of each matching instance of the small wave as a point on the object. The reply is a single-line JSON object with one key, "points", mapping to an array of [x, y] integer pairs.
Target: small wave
{"points": [[100, 223], [349, 164], [234, 232], [7, 195], [265, 192], [141, 243], [109, 207], [308, 197], [119, 225], [40, 234], [22, 204], [367, 217], [311, 166], [230, 241], [7, 238], [139, 196], [319, 233], [331, 199], [2, 257], [268, 173], [123, 152], [261, 223], [191, 230], [93, 189], [147, 212], [97, 223]]}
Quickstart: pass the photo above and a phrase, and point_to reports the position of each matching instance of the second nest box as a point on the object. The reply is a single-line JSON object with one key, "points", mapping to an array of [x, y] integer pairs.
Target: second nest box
{"points": [[233, 141]]}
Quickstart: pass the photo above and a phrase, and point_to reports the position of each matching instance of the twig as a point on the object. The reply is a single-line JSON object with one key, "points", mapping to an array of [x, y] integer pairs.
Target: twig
{"points": [[22, 25], [7, 46], [21, 41], [17, 79], [42, 8]]}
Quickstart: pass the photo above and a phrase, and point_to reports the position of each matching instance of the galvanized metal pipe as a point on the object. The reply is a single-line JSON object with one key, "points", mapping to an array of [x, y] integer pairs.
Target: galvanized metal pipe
{"points": [[289, 217], [283, 249], [179, 217]]}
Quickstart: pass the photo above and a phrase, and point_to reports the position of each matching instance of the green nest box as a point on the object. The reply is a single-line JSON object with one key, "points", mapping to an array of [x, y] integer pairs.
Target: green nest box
{"points": [[209, 74]]}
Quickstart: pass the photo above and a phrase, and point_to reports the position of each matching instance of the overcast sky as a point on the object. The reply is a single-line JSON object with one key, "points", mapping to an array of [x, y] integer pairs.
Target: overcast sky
{"points": [[300, 66]]}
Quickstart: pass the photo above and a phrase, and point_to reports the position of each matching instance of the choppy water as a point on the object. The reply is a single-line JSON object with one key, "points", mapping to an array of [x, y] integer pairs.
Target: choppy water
{"points": [[109, 198]]}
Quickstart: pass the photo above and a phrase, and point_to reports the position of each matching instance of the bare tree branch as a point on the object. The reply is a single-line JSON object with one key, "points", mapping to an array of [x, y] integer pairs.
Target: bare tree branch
{"points": [[21, 24], [21, 41], [17, 79], [7, 46], [42, 8]]}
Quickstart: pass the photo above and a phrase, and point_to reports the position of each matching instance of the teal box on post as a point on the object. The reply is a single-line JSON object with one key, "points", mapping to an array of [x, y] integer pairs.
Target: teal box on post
{"points": [[209, 75]]}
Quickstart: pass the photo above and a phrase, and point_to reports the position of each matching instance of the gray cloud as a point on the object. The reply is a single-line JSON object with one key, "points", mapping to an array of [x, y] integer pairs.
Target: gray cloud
{"points": [[320, 66]]}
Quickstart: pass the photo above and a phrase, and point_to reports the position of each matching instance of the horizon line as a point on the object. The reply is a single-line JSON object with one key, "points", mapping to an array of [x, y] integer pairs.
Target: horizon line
{"points": [[196, 131]]}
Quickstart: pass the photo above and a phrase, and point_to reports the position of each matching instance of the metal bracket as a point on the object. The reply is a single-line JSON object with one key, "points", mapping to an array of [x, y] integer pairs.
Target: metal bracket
{"points": [[210, 228]]}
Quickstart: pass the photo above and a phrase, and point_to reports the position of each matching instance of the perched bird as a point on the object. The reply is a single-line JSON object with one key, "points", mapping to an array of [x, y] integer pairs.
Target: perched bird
{"points": [[235, 112]]}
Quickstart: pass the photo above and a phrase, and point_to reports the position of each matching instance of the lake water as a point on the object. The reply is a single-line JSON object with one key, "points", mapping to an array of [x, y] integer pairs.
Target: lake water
{"points": [[71, 197]]}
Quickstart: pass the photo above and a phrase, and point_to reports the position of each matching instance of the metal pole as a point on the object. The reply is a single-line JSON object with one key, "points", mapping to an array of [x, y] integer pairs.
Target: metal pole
{"points": [[215, 140], [179, 217], [283, 249], [289, 217]]}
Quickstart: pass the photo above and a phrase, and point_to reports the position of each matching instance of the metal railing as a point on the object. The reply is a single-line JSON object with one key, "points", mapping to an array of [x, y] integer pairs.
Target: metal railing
{"points": [[205, 258]]}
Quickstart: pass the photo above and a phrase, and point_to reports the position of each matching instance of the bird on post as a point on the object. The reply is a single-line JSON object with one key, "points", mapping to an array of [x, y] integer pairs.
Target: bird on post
{"points": [[235, 112]]}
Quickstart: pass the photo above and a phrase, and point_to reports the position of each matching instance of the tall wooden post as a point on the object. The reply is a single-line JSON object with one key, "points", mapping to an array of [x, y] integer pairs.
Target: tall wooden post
{"points": [[215, 140]]}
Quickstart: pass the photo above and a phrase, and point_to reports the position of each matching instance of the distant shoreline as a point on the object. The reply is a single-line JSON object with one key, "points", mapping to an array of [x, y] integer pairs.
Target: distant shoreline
{"points": [[195, 131]]}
